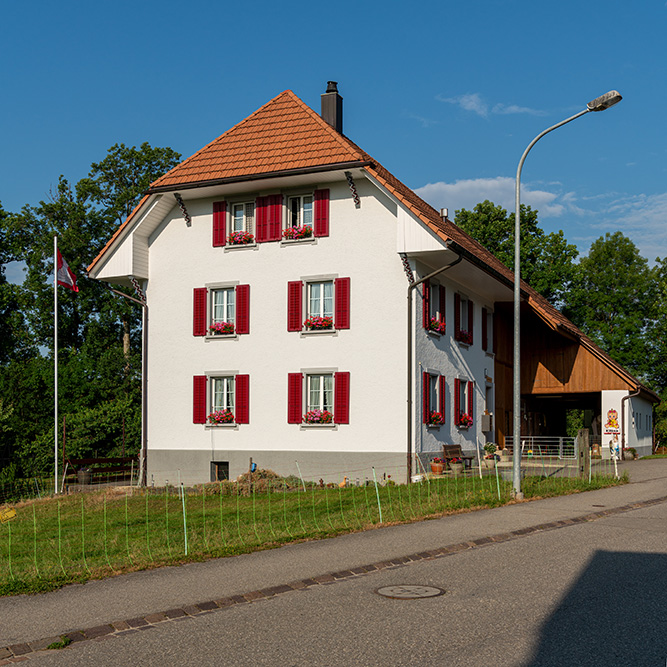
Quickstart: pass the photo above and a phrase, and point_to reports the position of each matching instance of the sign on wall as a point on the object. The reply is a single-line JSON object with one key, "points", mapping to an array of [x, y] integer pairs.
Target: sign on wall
{"points": [[611, 425]]}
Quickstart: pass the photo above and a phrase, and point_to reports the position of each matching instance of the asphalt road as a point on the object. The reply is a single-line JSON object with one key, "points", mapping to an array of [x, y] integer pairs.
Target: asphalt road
{"points": [[591, 593]]}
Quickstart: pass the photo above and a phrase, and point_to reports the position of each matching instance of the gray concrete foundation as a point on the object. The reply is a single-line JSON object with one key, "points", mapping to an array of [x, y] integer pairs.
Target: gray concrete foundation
{"points": [[195, 466]]}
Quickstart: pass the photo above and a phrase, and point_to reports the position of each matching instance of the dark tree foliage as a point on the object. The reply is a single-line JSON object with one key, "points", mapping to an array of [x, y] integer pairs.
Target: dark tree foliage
{"points": [[612, 300], [98, 332], [547, 260]]}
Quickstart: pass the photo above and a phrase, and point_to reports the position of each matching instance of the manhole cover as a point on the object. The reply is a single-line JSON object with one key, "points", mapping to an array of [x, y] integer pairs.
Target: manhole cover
{"points": [[410, 592]]}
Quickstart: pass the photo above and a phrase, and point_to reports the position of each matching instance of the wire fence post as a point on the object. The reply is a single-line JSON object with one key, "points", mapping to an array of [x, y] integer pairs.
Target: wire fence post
{"points": [[185, 521], [377, 493]]}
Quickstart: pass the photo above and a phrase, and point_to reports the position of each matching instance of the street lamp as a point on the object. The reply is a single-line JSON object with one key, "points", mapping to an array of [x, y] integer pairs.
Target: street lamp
{"points": [[598, 104]]}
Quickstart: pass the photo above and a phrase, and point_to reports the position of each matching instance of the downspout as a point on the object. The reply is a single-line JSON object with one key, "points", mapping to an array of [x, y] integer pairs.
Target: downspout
{"points": [[625, 398], [411, 287]]}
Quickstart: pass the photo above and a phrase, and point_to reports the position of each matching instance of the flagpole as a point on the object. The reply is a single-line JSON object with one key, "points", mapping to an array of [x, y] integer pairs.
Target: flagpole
{"points": [[55, 361]]}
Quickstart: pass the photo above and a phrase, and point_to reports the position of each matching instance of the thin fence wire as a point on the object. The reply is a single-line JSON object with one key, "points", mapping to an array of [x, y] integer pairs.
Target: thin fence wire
{"points": [[98, 534]]}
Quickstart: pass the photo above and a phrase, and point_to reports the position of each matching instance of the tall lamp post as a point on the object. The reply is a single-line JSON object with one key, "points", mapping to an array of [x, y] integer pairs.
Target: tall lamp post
{"points": [[598, 104]]}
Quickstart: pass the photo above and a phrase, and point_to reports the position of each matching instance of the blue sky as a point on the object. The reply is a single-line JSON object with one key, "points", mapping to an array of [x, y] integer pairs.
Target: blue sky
{"points": [[446, 95]]}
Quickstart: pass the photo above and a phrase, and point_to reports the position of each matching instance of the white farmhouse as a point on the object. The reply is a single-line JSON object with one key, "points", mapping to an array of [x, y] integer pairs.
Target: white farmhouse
{"points": [[277, 263]]}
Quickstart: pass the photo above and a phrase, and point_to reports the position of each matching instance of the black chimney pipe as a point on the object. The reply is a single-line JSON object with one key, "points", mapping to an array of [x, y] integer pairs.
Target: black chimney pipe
{"points": [[332, 107]]}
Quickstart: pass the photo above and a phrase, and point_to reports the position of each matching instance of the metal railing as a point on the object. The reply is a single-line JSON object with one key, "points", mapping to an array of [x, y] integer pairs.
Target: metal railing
{"points": [[536, 446]]}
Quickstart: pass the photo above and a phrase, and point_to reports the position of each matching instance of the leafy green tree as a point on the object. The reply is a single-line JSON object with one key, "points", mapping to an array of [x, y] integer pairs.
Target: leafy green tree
{"points": [[612, 300], [98, 332], [547, 260]]}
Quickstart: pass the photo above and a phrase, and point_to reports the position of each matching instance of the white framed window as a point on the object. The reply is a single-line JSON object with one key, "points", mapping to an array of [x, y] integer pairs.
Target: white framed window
{"points": [[242, 217], [222, 393], [299, 211], [320, 392], [320, 299], [223, 305]]}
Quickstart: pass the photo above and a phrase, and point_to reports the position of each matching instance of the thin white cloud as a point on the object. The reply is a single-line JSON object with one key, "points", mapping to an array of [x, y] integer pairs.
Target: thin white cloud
{"points": [[470, 102], [642, 218], [425, 122], [474, 102], [500, 190], [506, 109]]}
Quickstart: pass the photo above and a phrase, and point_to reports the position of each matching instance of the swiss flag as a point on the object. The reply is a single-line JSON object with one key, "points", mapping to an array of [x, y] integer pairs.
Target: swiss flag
{"points": [[65, 276]]}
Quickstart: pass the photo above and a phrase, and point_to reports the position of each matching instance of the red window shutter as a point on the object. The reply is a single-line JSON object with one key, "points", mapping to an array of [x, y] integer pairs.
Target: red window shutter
{"points": [[442, 392], [442, 293], [321, 213], [294, 305], [471, 397], [219, 223], [493, 333], [457, 315], [426, 304], [342, 310], [426, 394], [261, 220], [242, 399], [471, 312], [199, 399], [485, 334], [243, 309], [274, 221], [294, 398], [199, 323], [457, 401], [342, 398]]}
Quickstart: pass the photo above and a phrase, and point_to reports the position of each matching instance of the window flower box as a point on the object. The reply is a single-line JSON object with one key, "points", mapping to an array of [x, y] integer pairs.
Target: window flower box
{"points": [[465, 420], [318, 417], [298, 233], [221, 329], [317, 322], [437, 326], [464, 336], [435, 419], [221, 417], [241, 238]]}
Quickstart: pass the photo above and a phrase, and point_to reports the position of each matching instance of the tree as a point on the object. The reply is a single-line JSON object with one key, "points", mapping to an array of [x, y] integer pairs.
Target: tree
{"points": [[612, 300], [547, 260], [99, 333]]}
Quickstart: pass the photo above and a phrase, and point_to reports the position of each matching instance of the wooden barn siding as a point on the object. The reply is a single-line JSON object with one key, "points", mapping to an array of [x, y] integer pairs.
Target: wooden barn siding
{"points": [[550, 364]]}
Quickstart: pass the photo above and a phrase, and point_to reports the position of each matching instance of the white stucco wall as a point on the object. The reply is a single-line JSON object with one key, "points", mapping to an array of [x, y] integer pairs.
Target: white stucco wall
{"points": [[361, 246], [446, 356], [638, 422]]}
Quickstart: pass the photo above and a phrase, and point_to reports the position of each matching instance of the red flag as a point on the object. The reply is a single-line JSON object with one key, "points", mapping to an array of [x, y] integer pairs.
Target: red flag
{"points": [[65, 276]]}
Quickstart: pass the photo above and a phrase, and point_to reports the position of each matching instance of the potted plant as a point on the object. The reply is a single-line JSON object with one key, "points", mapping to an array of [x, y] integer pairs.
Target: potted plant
{"points": [[435, 419], [464, 336], [436, 325], [225, 416], [241, 238], [491, 457], [437, 465], [465, 420], [318, 417], [221, 328], [456, 465], [317, 322], [629, 454], [298, 233]]}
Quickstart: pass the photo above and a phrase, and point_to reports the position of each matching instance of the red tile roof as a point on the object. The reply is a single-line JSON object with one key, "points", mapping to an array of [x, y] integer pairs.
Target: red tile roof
{"points": [[282, 135]]}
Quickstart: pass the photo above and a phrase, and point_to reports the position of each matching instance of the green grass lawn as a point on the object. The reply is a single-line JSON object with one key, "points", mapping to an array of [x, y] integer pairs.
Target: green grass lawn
{"points": [[71, 538]]}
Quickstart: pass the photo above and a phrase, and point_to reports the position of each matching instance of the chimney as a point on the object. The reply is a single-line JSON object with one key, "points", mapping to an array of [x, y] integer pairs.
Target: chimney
{"points": [[332, 107]]}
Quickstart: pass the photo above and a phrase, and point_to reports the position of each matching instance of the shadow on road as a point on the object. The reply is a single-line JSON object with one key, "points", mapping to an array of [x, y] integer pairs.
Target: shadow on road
{"points": [[614, 614]]}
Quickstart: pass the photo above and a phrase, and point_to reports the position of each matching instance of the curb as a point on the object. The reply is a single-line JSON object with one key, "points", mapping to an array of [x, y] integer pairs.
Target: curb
{"points": [[20, 652]]}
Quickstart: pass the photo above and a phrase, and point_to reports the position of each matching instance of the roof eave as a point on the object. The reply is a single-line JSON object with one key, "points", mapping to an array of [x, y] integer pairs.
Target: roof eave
{"points": [[256, 177]]}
